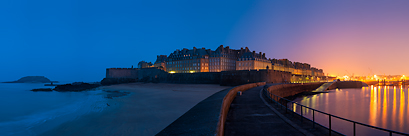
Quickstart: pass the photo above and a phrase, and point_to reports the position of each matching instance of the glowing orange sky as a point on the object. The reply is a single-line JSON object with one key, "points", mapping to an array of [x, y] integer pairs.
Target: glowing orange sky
{"points": [[335, 36]]}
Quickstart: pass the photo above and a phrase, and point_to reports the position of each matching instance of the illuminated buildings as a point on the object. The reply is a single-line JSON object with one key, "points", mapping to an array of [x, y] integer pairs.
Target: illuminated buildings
{"points": [[226, 59], [252, 61], [143, 64], [188, 61], [160, 62], [223, 59]]}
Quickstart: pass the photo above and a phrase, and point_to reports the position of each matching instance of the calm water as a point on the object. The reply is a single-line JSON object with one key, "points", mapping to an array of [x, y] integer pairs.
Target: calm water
{"points": [[30, 113], [385, 107]]}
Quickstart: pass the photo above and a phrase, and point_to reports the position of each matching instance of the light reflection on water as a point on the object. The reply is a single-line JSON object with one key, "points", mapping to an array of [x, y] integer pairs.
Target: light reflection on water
{"points": [[381, 106]]}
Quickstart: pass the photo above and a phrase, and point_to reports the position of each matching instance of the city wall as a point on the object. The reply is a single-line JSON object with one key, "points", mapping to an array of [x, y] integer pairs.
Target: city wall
{"points": [[194, 78], [121, 73], [227, 78], [239, 77], [157, 75], [286, 90], [347, 84]]}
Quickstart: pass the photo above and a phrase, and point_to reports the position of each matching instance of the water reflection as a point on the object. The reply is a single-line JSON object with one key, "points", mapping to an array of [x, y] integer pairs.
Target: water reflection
{"points": [[381, 106]]}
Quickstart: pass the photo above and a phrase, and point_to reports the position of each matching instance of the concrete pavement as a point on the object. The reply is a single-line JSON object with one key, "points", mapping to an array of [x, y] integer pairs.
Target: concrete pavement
{"points": [[248, 115]]}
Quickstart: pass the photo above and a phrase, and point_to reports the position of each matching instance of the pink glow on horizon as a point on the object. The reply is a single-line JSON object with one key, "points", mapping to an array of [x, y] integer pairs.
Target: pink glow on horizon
{"points": [[334, 36]]}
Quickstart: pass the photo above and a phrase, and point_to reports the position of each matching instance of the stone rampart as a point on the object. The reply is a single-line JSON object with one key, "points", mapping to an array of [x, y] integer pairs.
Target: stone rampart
{"points": [[286, 90], [152, 75], [349, 84], [194, 78], [229, 78], [245, 76], [122, 73]]}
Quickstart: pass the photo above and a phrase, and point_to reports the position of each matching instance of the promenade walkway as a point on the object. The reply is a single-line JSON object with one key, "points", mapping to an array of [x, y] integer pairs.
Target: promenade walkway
{"points": [[249, 115], [201, 120]]}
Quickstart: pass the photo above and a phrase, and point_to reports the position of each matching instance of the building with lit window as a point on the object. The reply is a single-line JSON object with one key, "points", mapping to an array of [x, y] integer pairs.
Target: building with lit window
{"points": [[226, 59], [144, 64], [160, 62], [252, 61], [188, 61], [223, 59]]}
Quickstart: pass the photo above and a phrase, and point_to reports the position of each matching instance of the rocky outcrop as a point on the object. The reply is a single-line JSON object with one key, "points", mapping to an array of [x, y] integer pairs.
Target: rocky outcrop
{"points": [[75, 87], [112, 81], [42, 90], [32, 79]]}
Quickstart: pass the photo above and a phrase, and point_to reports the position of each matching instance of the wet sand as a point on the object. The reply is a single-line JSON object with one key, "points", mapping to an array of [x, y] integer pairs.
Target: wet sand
{"points": [[147, 110]]}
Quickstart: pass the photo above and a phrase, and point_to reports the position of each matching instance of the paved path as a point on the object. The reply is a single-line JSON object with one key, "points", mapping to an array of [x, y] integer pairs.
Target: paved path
{"points": [[248, 115], [201, 120]]}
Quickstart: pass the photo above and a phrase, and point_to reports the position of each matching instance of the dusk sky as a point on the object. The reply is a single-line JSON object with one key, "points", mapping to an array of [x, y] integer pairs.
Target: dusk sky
{"points": [[76, 40]]}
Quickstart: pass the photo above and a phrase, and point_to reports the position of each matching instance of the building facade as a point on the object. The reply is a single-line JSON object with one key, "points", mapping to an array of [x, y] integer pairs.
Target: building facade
{"points": [[188, 61], [160, 62], [252, 61], [223, 59], [144, 64], [226, 59]]}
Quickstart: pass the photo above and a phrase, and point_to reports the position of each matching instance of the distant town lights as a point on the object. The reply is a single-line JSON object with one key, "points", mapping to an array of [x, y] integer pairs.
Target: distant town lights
{"points": [[346, 77]]}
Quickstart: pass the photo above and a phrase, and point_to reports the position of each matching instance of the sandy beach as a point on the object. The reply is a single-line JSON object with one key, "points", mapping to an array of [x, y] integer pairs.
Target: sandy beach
{"points": [[147, 110]]}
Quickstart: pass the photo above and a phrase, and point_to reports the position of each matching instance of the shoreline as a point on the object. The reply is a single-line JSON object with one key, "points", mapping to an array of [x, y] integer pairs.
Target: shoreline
{"points": [[145, 109]]}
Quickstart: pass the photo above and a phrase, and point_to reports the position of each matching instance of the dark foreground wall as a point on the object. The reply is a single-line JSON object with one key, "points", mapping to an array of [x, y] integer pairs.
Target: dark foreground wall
{"points": [[286, 90], [239, 77], [347, 84], [194, 78], [121, 73], [117, 75], [229, 78]]}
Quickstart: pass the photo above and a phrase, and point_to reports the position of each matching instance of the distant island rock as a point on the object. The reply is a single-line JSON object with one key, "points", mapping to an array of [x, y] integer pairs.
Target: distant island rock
{"points": [[33, 79]]}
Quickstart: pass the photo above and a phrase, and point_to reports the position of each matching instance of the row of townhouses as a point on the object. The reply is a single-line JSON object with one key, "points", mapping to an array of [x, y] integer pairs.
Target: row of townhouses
{"points": [[226, 59]]}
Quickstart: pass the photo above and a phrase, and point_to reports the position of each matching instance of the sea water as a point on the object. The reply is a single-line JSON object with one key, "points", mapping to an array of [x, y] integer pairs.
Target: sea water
{"points": [[23, 112], [381, 106]]}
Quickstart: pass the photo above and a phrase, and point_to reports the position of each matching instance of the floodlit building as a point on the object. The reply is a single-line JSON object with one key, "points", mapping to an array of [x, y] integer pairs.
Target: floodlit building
{"points": [[226, 59], [223, 59], [252, 61], [144, 64], [188, 61], [160, 62]]}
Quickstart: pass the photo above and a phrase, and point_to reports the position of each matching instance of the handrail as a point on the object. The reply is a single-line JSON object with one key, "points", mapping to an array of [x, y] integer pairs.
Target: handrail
{"points": [[330, 115]]}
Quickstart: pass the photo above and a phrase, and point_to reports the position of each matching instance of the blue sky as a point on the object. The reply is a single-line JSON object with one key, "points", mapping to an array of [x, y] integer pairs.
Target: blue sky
{"points": [[76, 40]]}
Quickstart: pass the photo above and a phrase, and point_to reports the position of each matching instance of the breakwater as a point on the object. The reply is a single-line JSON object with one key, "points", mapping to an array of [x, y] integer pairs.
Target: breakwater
{"points": [[288, 90]]}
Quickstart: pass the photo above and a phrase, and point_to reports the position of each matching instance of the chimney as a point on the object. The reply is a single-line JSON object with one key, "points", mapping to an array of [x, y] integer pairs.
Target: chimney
{"points": [[194, 50], [264, 55], [254, 53], [203, 48], [247, 49]]}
